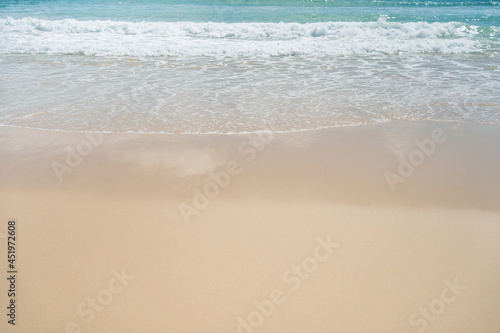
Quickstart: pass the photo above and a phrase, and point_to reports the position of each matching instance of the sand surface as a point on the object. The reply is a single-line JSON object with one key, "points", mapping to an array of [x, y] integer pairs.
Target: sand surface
{"points": [[385, 228]]}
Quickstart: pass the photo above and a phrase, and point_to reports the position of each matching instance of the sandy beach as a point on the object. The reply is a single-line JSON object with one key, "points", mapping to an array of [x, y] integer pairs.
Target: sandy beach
{"points": [[381, 228]]}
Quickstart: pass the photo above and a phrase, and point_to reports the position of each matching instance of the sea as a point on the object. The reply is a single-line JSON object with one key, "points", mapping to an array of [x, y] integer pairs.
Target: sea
{"points": [[238, 66]]}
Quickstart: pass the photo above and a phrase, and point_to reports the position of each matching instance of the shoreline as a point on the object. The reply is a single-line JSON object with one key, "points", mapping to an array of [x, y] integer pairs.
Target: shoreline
{"points": [[377, 164], [319, 129]]}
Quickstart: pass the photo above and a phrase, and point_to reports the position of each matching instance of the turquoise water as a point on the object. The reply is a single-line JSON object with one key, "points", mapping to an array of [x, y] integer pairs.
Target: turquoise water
{"points": [[235, 66], [484, 13]]}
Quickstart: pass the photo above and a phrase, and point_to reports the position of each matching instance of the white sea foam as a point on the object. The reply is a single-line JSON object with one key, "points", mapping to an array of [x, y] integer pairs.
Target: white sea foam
{"points": [[112, 38], [407, 75], [206, 95]]}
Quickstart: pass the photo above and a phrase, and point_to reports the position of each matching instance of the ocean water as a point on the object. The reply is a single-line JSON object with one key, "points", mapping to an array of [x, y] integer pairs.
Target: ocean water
{"points": [[228, 66]]}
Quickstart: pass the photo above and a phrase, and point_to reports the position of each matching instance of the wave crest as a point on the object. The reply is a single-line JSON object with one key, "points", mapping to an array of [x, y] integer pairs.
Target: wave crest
{"points": [[70, 36]]}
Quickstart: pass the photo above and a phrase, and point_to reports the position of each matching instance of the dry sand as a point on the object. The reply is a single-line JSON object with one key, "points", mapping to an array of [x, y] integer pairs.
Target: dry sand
{"points": [[117, 244]]}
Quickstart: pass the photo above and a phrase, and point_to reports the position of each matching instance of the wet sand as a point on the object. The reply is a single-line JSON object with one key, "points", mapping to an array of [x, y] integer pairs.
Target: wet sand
{"points": [[384, 228]]}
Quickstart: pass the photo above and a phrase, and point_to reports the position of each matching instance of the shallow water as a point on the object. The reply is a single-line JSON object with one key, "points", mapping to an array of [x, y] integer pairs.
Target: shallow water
{"points": [[238, 66]]}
